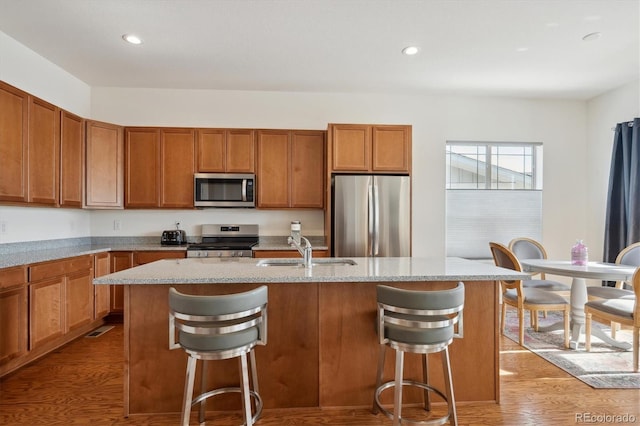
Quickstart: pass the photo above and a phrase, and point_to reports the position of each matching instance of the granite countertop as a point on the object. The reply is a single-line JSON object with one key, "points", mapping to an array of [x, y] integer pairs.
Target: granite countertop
{"points": [[243, 270], [34, 256], [18, 254]]}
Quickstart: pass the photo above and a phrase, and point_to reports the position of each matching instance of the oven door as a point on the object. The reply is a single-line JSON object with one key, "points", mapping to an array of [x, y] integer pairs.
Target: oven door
{"points": [[224, 190]]}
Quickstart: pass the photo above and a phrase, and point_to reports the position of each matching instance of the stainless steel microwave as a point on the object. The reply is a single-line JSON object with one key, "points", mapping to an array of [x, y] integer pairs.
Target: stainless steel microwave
{"points": [[224, 190]]}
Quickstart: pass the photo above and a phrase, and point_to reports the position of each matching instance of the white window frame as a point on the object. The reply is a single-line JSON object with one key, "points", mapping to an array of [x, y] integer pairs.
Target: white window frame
{"points": [[490, 149]]}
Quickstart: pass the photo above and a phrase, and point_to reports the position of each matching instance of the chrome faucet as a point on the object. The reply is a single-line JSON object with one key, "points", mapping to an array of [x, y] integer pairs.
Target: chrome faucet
{"points": [[305, 251]]}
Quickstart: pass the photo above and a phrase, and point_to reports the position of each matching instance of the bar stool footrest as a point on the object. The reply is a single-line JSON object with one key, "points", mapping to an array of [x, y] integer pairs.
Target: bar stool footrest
{"points": [[431, 422], [220, 391]]}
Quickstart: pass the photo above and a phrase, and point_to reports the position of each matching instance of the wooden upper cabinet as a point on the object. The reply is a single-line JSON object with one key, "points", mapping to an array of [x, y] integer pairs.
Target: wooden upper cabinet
{"points": [[226, 150], [291, 168], [391, 149], [370, 148], [44, 152], [30, 148], [351, 145], [71, 160], [13, 149], [142, 167], [177, 155], [274, 151], [160, 164], [307, 168], [104, 185]]}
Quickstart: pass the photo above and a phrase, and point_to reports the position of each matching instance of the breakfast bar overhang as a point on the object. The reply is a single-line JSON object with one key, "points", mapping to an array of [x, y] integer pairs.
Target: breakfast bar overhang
{"points": [[322, 345]]}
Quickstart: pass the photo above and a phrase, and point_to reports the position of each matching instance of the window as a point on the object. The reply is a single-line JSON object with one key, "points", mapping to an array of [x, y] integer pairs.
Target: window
{"points": [[492, 165], [494, 193]]}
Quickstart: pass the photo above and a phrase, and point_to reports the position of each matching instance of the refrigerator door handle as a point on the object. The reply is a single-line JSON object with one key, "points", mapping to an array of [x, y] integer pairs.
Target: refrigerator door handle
{"points": [[370, 220], [376, 219]]}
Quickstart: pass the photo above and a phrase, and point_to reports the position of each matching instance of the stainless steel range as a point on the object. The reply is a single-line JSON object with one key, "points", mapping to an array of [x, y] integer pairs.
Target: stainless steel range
{"points": [[225, 241]]}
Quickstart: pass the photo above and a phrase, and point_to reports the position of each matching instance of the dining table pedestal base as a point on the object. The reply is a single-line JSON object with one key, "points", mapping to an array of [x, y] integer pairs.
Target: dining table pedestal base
{"points": [[578, 299]]}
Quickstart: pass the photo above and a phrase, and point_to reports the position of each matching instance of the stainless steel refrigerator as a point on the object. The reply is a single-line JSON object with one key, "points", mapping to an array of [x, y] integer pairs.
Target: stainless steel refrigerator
{"points": [[371, 216]]}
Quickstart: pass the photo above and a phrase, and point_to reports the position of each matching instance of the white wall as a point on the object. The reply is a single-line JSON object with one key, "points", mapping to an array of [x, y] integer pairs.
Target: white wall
{"points": [[152, 222], [603, 113], [39, 223], [559, 125], [25, 69]]}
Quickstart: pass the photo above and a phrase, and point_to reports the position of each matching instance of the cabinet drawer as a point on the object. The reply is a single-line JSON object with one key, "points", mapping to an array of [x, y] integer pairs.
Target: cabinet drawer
{"points": [[58, 268], [13, 276], [142, 257]]}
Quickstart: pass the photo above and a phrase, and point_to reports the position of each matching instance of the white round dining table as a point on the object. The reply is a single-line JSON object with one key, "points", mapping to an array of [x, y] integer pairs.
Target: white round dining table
{"points": [[578, 296]]}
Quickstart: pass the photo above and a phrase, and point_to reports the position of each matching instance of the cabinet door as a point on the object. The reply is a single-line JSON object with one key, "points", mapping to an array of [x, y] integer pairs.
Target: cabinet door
{"points": [[71, 159], [178, 166], [13, 323], [44, 152], [79, 299], [226, 150], [273, 168], [142, 171], [211, 150], [391, 148], [240, 152], [120, 260], [143, 257], [13, 149], [307, 169], [101, 293], [104, 166], [350, 145], [46, 313]]}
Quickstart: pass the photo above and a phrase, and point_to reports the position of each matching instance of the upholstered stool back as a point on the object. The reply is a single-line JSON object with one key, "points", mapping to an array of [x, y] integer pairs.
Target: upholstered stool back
{"points": [[219, 327], [420, 322]]}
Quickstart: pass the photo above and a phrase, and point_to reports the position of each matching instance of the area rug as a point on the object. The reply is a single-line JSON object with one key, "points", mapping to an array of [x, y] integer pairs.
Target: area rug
{"points": [[604, 367]]}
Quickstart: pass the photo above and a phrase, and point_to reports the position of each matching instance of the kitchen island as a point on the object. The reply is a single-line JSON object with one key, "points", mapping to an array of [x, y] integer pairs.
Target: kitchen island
{"points": [[322, 346]]}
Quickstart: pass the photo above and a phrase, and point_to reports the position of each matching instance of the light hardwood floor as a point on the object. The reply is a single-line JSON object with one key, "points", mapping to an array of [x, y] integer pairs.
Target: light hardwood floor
{"points": [[82, 384]]}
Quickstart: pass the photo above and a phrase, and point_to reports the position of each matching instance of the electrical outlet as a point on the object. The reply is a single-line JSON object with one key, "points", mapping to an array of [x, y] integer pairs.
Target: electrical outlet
{"points": [[117, 225], [3, 227]]}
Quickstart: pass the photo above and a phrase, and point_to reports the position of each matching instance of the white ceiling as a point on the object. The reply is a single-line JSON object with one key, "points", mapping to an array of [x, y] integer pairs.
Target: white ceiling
{"points": [[466, 46]]}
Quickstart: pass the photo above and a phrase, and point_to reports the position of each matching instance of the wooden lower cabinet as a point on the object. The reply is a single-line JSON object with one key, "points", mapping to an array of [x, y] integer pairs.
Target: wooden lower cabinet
{"points": [[101, 293], [143, 257], [79, 299], [121, 260], [13, 313], [46, 313], [42, 307], [60, 298]]}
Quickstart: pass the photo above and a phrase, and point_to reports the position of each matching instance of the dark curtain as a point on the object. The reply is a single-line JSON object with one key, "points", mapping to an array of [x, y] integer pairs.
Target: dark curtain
{"points": [[622, 223]]}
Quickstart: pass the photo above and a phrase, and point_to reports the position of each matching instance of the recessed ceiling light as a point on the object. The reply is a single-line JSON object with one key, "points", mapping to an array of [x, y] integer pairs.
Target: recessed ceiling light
{"points": [[592, 36], [132, 38], [410, 50], [521, 49]]}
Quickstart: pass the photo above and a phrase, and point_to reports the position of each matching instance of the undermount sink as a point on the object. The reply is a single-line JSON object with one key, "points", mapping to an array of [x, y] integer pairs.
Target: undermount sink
{"points": [[300, 262]]}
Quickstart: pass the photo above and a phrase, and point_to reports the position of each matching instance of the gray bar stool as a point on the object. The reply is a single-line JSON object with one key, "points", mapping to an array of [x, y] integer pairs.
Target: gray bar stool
{"points": [[219, 327], [420, 322]]}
